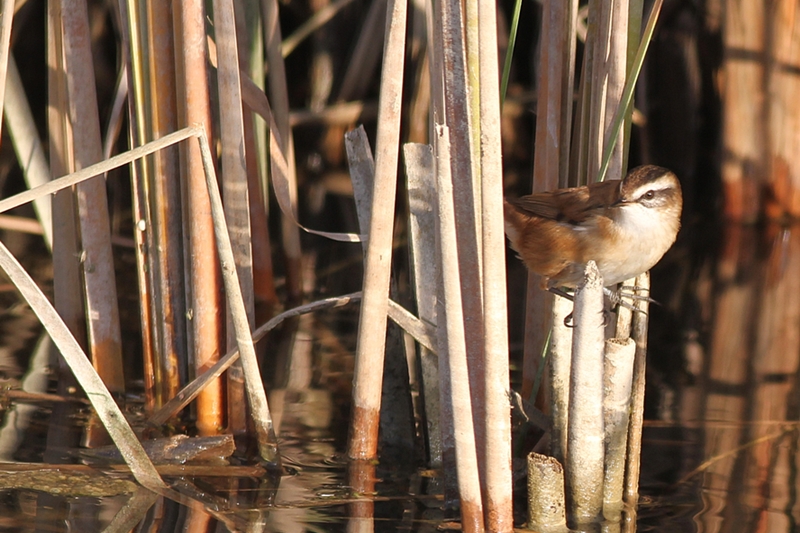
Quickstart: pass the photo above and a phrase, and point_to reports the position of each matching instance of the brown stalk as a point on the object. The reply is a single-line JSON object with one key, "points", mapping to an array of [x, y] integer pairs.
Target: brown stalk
{"points": [[165, 192], [157, 200], [97, 263], [144, 240], [234, 189], [203, 279]]}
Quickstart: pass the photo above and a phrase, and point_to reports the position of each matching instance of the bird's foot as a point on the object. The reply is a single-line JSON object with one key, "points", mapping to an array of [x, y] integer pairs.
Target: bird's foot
{"points": [[617, 298], [628, 292]]}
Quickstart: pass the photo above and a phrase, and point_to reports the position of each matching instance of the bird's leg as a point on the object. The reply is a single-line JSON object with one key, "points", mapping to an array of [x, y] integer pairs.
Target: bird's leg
{"points": [[562, 292], [568, 319]]}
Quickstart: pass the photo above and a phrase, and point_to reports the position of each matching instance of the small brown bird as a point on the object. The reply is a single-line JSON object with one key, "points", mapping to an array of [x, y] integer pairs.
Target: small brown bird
{"points": [[625, 226]]}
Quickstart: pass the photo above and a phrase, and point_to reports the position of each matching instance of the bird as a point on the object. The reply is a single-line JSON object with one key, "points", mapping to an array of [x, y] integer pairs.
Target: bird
{"points": [[626, 226]]}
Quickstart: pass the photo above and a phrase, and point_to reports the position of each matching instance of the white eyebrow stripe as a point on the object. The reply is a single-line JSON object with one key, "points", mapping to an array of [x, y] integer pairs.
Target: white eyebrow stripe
{"points": [[656, 186]]}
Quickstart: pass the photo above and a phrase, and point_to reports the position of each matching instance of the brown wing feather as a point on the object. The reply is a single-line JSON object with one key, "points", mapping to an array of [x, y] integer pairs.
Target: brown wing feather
{"points": [[572, 205], [541, 205]]}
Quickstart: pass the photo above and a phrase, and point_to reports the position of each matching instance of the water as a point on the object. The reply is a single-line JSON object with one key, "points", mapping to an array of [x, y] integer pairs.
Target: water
{"points": [[720, 445]]}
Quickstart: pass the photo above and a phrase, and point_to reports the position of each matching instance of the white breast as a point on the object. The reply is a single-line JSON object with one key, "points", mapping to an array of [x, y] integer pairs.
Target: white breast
{"points": [[641, 237]]}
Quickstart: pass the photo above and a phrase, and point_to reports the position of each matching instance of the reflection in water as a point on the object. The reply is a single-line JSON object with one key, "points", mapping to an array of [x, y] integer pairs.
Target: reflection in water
{"points": [[743, 401]]}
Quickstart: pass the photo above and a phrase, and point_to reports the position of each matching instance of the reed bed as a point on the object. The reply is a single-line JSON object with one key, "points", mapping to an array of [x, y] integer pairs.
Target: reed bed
{"points": [[220, 195]]}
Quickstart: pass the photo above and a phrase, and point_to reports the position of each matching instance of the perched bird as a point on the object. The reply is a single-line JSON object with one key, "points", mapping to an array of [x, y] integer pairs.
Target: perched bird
{"points": [[625, 226]]}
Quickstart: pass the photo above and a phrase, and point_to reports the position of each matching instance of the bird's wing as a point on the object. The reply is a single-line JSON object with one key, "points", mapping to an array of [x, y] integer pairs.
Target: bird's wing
{"points": [[542, 205], [571, 206]]}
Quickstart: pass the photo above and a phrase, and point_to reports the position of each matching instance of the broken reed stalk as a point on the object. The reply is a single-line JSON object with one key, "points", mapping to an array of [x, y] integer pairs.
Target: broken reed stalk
{"points": [[421, 187], [585, 450], [105, 406], [196, 386], [254, 385], [617, 376], [255, 388], [367, 380], [397, 427], [97, 169], [362, 176], [639, 335], [546, 511], [453, 368]]}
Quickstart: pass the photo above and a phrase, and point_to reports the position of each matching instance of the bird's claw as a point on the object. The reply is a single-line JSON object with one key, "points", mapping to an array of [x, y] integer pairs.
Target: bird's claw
{"points": [[617, 297]]}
